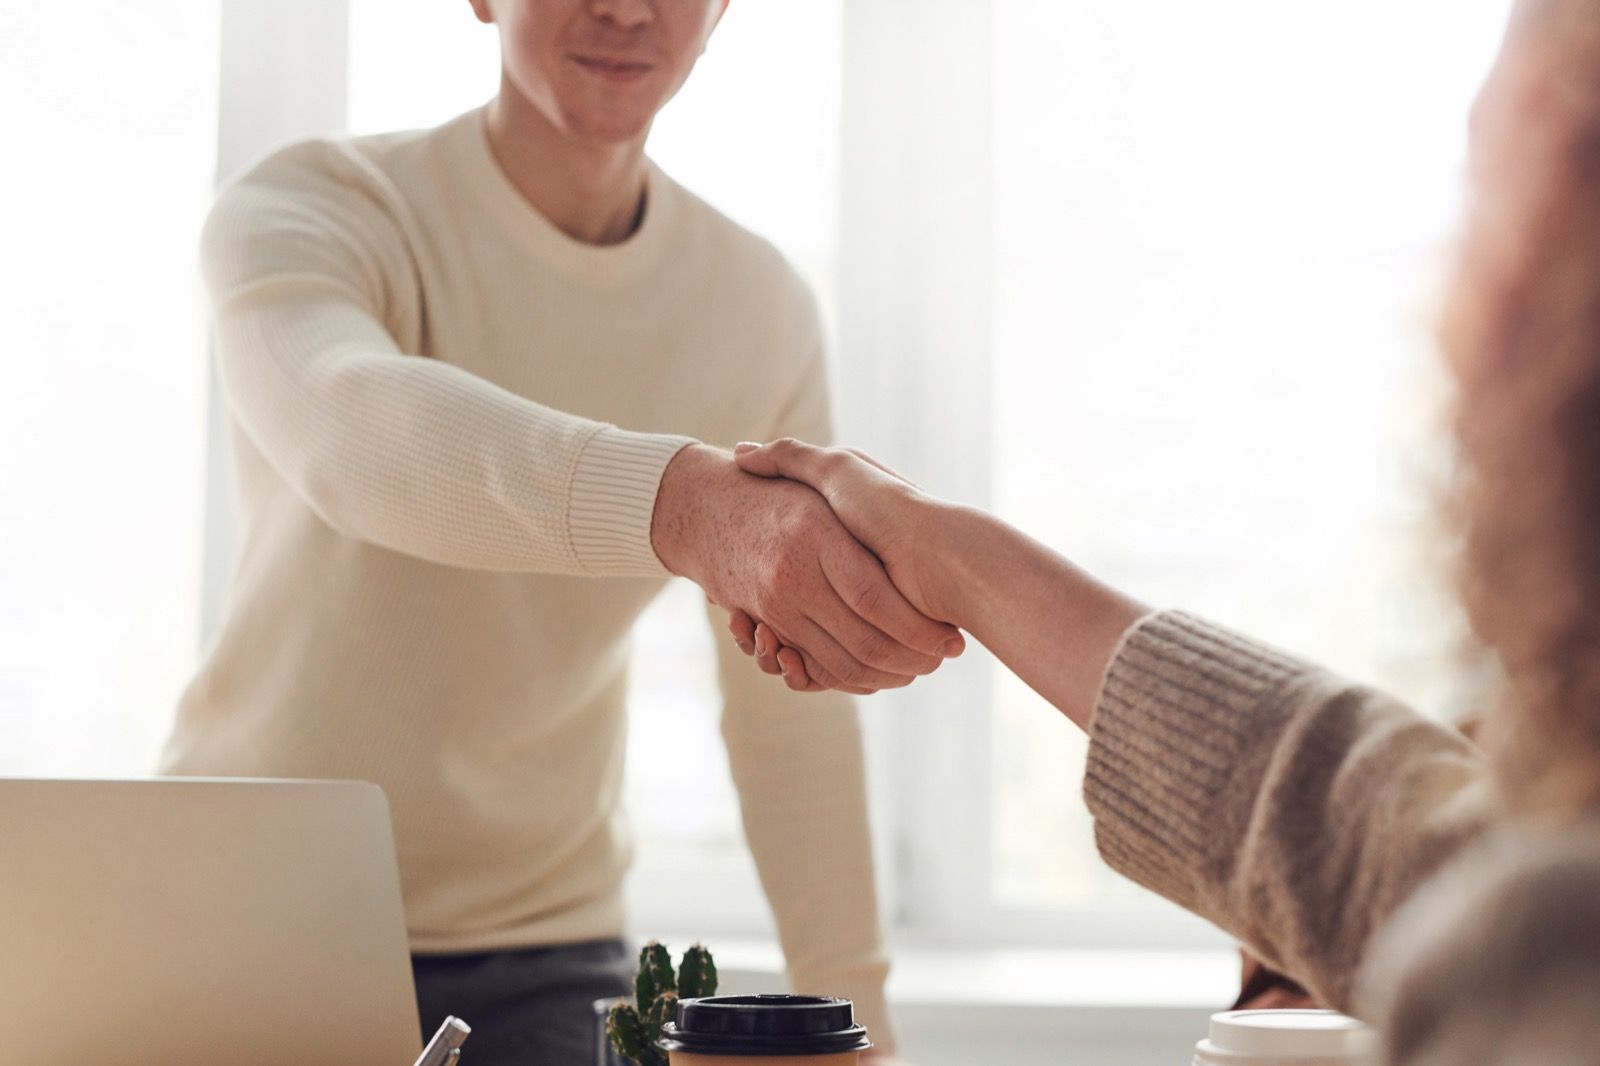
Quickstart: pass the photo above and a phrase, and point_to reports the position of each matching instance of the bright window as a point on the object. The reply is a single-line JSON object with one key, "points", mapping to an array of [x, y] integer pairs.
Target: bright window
{"points": [[111, 137], [1218, 229]]}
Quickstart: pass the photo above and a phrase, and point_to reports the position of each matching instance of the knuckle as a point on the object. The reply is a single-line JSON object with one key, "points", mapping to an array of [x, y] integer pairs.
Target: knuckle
{"points": [[853, 674], [866, 599], [871, 647], [777, 575]]}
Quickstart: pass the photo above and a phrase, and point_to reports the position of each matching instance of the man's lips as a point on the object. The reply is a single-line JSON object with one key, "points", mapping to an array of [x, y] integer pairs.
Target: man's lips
{"points": [[614, 69]]}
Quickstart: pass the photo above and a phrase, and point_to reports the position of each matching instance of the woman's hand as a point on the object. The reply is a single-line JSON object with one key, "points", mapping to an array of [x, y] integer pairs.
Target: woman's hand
{"points": [[881, 509], [775, 548], [1053, 624]]}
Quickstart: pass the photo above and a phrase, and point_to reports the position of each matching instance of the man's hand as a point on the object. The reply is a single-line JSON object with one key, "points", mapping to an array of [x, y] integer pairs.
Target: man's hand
{"points": [[1050, 622], [775, 550], [884, 511]]}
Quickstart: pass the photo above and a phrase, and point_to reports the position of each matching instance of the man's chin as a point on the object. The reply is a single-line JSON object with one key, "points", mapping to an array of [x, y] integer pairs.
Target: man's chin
{"points": [[612, 133], [614, 126]]}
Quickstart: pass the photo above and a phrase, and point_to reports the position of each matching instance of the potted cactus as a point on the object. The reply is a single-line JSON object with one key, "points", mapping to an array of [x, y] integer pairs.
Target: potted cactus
{"points": [[633, 1028]]}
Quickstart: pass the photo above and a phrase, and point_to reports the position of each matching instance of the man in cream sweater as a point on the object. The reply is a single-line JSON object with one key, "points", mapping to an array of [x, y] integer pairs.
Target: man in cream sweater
{"points": [[469, 371]]}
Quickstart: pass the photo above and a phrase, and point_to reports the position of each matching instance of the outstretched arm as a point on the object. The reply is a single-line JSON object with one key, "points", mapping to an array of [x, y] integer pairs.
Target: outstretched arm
{"points": [[1287, 805], [317, 318], [1050, 622]]}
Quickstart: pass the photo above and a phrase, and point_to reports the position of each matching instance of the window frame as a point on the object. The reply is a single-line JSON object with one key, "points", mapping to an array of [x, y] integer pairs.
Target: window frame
{"points": [[282, 75]]}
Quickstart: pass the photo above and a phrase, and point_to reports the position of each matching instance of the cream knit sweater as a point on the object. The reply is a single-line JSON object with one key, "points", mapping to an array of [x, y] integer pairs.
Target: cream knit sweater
{"points": [[446, 536]]}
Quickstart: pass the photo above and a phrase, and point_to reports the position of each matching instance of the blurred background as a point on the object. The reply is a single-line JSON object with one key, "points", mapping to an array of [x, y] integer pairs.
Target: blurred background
{"points": [[1152, 279]]}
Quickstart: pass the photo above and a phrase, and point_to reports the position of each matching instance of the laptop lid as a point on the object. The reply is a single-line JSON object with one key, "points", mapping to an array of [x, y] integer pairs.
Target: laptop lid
{"points": [[187, 920]]}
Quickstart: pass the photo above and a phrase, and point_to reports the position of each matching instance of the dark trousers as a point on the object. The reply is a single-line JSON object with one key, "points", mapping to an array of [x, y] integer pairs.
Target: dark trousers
{"points": [[526, 1007]]}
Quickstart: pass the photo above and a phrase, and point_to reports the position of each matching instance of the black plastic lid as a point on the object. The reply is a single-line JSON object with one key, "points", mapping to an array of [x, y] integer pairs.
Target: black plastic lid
{"points": [[764, 1025]]}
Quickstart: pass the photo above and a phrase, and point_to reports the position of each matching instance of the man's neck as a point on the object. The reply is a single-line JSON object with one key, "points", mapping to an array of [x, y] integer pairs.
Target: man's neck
{"points": [[592, 192]]}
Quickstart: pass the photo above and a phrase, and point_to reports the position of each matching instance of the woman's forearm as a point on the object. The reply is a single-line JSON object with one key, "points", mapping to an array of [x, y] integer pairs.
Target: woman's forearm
{"points": [[1052, 624]]}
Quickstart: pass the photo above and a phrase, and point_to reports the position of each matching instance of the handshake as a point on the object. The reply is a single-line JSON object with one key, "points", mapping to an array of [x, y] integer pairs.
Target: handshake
{"points": [[821, 556]]}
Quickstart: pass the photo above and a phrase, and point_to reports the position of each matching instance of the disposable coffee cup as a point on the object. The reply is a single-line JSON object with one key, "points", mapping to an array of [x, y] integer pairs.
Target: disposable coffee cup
{"points": [[764, 1031], [1286, 1038]]}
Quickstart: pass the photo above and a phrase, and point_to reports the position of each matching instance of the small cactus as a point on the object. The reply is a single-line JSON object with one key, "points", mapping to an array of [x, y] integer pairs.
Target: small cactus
{"points": [[633, 1028], [626, 1033], [662, 1011], [697, 974], [655, 975]]}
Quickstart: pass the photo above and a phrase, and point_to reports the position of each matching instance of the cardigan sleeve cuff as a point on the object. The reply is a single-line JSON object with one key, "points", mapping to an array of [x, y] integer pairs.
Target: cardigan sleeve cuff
{"points": [[1183, 704]]}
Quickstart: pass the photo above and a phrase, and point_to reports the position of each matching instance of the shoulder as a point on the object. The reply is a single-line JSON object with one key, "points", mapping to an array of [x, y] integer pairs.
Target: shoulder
{"points": [[1500, 951], [323, 173], [321, 206], [321, 164]]}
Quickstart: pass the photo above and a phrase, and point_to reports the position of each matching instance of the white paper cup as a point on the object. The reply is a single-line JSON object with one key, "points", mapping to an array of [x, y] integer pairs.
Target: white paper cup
{"points": [[1286, 1038]]}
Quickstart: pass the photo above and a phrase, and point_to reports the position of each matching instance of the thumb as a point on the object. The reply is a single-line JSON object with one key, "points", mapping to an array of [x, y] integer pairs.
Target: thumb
{"points": [[782, 458], [755, 459]]}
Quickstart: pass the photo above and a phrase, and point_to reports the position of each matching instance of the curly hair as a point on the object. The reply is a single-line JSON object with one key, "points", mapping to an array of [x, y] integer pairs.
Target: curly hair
{"points": [[1521, 333]]}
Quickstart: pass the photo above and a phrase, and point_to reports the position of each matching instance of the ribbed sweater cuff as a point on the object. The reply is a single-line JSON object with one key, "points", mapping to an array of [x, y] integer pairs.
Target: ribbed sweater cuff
{"points": [[1183, 705], [612, 499]]}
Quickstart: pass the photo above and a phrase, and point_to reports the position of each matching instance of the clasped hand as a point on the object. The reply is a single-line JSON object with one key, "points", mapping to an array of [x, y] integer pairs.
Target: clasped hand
{"points": [[769, 548]]}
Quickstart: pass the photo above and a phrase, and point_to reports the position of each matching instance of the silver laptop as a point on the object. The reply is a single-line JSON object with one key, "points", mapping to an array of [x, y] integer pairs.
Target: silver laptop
{"points": [[195, 921]]}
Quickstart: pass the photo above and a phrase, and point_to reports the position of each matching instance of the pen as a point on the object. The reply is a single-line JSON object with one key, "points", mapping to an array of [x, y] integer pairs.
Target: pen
{"points": [[445, 1047]]}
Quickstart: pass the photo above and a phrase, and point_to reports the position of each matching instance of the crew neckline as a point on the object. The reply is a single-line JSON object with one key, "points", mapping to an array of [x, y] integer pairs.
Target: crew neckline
{"points": [[597, 265]]}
